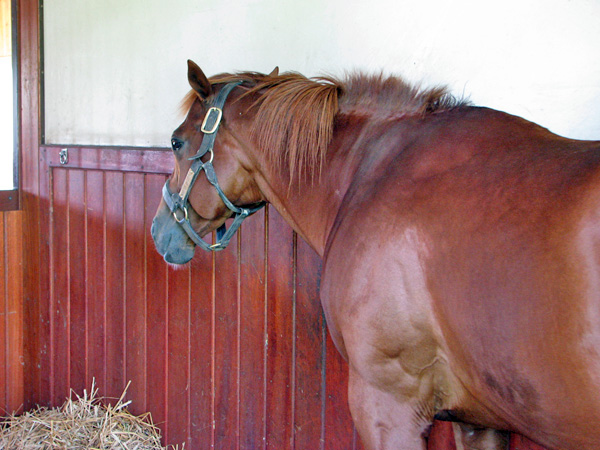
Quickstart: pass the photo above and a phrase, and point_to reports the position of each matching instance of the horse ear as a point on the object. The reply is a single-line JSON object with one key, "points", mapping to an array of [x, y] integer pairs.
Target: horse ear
{"points": [[275, 72], [198, 80]]}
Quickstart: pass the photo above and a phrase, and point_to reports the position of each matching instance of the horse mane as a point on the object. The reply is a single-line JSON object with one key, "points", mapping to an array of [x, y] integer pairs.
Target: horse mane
{"points": [[296, 115], [391, 97]]}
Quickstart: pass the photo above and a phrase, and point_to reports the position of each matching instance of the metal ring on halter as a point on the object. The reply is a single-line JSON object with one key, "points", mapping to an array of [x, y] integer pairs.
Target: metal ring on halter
{"points": [[212, 155], [185, 214]]}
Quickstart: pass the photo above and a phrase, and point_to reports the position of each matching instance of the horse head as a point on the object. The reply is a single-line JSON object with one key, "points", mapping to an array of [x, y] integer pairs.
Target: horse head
{"points": [[211, 181]]}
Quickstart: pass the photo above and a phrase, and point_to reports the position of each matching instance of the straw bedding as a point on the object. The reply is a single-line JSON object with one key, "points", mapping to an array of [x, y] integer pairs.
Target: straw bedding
{"points": [[81, 423]]}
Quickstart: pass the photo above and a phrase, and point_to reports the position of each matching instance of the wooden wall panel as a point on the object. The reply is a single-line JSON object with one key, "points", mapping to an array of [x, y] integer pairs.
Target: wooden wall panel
{"points": [[229, 351], [226, 347], [4, 317], [157, 312], [309, 345], [135, 290], [201, 372], [11, 311], [95, 274], [34, 200], [114, 284], [279, 339], [77, 251], [59, 292], [253, 334], [178, 353]]}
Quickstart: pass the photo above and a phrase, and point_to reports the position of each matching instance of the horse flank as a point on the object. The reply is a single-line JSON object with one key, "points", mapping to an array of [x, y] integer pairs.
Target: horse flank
{"points": [[296, 115]]}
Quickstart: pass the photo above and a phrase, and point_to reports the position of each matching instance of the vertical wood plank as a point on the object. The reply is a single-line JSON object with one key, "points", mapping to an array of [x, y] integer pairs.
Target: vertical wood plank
{"points": [[77, 250], [11, 312], [179, 354], [280, 339], [37, 284], [201, 351], [310, 347], [226, 331], [252, 333], [114, 285], [4, 310], [95, 275], [156, 306], [339, 428], [59, 269], [14, 310], [135, 295], [36, 294]]}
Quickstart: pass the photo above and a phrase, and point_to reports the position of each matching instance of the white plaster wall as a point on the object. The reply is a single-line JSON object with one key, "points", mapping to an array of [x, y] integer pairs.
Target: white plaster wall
{"points": [[115, 70]]}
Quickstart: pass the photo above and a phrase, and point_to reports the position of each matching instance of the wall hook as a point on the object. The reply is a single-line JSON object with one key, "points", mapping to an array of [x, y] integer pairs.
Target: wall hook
{"points": [[64, 156]]}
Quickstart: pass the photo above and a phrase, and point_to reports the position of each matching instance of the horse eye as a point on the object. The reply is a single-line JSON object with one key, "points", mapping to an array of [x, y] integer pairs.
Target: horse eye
{"points": [[176, 144]]}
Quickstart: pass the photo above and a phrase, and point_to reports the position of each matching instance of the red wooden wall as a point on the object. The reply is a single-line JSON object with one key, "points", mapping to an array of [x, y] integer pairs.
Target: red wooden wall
{"points": [[230, 352], [11, 311]]}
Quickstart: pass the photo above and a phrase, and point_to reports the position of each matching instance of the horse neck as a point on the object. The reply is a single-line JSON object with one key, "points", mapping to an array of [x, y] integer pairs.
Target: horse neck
{"points": [[310, 205]]}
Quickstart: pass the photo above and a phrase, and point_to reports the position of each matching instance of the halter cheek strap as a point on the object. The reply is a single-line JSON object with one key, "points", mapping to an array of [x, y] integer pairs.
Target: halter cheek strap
{"points": [[178, 202]]}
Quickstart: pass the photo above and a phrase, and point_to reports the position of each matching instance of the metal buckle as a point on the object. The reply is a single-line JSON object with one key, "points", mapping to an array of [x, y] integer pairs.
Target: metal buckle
{"points": [[185, 214], [215, 121]]}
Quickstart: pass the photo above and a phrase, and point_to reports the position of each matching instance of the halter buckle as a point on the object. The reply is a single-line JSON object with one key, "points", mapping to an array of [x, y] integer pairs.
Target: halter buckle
{"points": [[212, 120], [185, 214]]}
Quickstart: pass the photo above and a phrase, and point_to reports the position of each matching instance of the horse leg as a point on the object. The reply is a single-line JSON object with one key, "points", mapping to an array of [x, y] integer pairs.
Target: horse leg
{"points": [[471, 437], [383, 422]]}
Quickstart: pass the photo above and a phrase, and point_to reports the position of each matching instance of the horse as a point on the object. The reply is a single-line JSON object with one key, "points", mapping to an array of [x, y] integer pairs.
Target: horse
{"points": [[460, 245]]}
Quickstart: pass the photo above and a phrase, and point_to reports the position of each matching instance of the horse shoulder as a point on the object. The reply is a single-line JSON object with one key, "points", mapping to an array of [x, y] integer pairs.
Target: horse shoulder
{"points": [[380, 316]]}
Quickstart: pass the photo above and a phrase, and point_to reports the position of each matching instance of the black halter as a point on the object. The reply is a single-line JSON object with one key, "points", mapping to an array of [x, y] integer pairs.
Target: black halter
{"points": [[178, 203]]}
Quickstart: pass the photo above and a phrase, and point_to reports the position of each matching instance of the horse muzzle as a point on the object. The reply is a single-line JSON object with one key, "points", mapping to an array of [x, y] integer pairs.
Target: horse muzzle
{"points": [[170, 239]]}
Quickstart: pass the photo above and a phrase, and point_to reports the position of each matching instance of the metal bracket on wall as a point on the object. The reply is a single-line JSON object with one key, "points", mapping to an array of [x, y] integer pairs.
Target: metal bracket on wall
{"points": [[64, 156]]}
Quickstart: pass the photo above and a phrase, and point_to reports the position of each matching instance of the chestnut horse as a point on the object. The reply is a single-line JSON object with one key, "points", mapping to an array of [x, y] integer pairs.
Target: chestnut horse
{"points": [[460, 245]]}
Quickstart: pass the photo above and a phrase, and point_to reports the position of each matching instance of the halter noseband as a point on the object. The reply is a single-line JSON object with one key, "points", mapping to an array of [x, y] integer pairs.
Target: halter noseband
{"points": [[178, 203]]}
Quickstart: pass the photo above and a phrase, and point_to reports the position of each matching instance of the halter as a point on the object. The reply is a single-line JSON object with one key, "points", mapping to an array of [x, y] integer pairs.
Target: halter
{"points": [[178, 203]]}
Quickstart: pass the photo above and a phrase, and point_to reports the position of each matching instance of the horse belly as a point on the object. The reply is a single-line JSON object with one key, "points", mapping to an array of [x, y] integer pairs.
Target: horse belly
{"points": [[522, 317]]}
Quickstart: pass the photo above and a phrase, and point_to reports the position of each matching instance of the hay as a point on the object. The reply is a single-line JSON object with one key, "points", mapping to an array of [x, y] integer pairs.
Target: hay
{"points": [[81, 423]]}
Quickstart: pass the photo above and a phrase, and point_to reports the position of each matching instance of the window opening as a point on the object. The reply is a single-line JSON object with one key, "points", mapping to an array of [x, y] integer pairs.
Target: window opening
{"points": [[8, 95]]}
